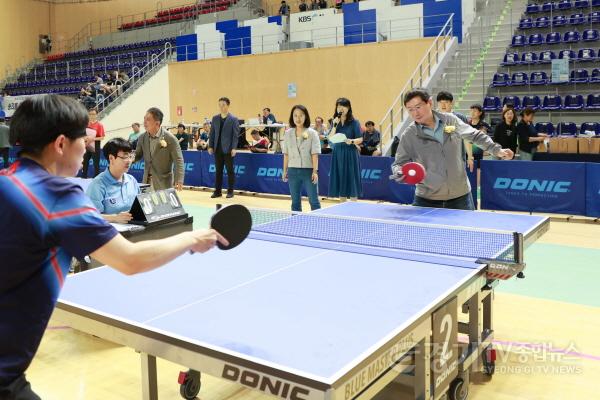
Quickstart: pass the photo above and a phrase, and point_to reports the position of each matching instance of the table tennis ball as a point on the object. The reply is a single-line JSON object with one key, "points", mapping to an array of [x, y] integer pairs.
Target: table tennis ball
{"points": [[412, 172]]}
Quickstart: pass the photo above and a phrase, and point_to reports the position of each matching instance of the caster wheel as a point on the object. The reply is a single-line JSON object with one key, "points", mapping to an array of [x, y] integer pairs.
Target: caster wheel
{"points": [[458, 390], [189, 384]]}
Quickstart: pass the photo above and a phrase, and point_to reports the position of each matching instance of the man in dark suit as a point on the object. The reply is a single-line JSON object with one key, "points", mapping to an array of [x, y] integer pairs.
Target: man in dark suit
{"points": [[222, 142]]}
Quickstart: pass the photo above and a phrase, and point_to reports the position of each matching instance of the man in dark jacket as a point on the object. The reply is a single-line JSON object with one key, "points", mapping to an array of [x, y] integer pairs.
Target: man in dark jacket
{"points": [[223, 141]]}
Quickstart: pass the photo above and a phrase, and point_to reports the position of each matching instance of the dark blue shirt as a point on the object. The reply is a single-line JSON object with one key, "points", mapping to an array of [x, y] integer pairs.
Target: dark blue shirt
{"points": [[46, 221]]}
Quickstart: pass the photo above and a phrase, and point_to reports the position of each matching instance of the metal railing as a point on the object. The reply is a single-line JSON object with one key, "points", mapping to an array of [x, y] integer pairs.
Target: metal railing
{"points": [[137, 77], [396, 114]]}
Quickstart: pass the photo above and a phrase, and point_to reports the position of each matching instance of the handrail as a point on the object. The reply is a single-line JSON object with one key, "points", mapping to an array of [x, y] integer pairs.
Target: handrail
{"points": [[420, 74]]}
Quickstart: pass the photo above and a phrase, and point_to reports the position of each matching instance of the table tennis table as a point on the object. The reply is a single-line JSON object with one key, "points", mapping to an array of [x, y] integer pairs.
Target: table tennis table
{"points": [[303, 318]]}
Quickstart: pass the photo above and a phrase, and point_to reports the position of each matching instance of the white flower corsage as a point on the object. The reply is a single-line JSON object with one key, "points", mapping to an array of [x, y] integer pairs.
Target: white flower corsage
{"points": [[163, 143], [305, 135], [449, 128]]}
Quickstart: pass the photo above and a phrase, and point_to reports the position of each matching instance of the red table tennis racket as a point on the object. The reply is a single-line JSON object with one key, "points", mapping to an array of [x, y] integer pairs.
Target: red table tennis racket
{"points": [[411, 173], [233, 222]]}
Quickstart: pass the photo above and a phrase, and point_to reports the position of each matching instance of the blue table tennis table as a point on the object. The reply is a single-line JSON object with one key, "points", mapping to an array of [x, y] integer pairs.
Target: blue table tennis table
{"points": [[305, 318]]}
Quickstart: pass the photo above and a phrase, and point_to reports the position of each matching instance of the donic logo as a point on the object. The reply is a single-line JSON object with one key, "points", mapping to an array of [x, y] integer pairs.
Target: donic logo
{"points": [[371, 174], [270, 172], [533, 185], [238, 169], [270, 385]]}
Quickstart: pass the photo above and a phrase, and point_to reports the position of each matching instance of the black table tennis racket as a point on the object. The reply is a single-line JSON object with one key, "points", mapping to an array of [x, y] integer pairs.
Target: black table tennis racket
{"points": [[233, 222]]}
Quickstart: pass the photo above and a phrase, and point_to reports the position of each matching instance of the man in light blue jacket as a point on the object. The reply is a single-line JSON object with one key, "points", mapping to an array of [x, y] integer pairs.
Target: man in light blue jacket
{"points": [[435, 140]]}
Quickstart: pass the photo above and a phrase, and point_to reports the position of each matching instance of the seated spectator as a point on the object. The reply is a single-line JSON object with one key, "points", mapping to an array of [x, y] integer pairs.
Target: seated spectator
{"points": [[339, 4], [505, 133], [371, 139], [284, 9], [477, 122], [134, 136], [323, 4], [87, 97], [114, 190], [528, 136], [303, 6], [203, 135], [260, 144], [323, 132], [314, 5], [183, 138]]}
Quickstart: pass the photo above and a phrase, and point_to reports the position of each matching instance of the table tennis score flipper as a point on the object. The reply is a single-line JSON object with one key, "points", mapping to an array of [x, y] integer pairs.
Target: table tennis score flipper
{"points": [[155, 208]]}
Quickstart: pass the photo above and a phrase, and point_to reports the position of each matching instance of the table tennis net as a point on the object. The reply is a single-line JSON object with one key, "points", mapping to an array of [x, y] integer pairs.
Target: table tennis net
{"points": [[386, 237]]}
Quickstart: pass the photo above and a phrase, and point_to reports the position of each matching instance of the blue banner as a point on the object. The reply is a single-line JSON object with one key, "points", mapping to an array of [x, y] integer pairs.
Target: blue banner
{"points": [[533, 186], [592, 197]]}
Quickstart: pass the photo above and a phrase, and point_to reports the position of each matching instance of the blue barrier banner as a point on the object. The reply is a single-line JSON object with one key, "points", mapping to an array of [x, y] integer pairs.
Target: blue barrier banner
{"points": [[472, 177], [592, 197], [551, 187]]}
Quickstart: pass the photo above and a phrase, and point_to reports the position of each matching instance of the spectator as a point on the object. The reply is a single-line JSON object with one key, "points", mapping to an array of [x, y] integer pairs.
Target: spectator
{"points": [[284, 9], [135, 135], [223, 141], [314, 5], [267, 118], [323, 4], [344, 176], [95, 153], [183, 138], [260, 144], [445, 102], [339, 4], [303, 6], [114, 190], [4, 142], [477, 122], [322, 131], [161, 153], [301, 159], [505, 133], [528, 137], [203, 136], [370, 142], [87, 97]]}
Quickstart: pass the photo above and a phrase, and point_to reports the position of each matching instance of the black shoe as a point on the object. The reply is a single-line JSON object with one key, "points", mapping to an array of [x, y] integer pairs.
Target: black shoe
{"points": [[229, 195], [215, 195]]}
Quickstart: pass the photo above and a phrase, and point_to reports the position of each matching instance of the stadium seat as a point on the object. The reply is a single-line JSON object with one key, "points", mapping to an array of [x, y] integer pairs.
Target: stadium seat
{"points": [[542, 22], [579, 76], [548, 6], [567, 129], [531, 102], [581, 4], [520, 79], [510, 59], [529, 58], [593, 102], [553, 38], [577, 19], [590, 35], [564, 5], [519, 41], [532, 9], [514, 100], [526, 23], [546, 57], [590, 128], [586, 55], [491, 103], [570, 54], [552, 103], [536, 39], [500, 79], [559, 20], [545, 127], [595, 77], [594, 17], [571, 37], [573, 102]]}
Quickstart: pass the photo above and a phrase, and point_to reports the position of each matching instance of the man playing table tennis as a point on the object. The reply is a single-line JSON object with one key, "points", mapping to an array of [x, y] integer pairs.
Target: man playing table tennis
{"points": [[434, 140], [48, 220]]}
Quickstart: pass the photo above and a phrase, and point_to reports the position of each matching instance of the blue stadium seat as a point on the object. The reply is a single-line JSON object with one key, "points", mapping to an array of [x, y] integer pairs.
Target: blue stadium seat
{"points": [[519, 79], [553, 38], [586, 55], [595, 3], [570, 54], [590, 128], [536, 39], [500, 79], [582, 4], [567, 129], [573, 102], [529, 58], [564, 5], [532, 9], [548, 6], [510, 59], [579, 76], [542, 22], [514, 100], [546, 57], [551, 103], [594, 17], [531, 102], [593, 102], [591, 35], [491, 103], [526, 23], [595, 77], [571, 37], [577, 19], [519, 41], [545, 127]]}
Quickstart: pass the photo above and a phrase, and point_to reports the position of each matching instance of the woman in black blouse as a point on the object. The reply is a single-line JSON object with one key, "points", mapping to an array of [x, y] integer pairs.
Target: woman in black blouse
{"points": [[505, 133]]}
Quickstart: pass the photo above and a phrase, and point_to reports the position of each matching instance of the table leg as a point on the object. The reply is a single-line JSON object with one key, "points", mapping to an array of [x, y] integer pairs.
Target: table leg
{"points": [[149, 380], [422, 382]]}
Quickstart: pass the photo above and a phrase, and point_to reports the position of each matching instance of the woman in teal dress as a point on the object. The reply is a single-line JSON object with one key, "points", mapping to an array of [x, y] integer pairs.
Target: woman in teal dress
{"points": [[344, 176]]}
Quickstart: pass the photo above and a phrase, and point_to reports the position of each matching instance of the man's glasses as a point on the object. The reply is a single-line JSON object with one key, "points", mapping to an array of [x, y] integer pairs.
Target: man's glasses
{"points": [[130, 156], [415, 108]]}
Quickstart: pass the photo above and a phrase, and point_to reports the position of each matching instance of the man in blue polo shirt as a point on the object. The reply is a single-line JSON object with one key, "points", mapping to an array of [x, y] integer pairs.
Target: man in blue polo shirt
{"points": [[114, 190], [51, 220]]}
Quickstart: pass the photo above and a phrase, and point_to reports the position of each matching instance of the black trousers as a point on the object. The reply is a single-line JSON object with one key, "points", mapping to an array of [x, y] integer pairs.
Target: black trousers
{"points": [[4, 151], [19, 389], [86, 160], [224, 160]]}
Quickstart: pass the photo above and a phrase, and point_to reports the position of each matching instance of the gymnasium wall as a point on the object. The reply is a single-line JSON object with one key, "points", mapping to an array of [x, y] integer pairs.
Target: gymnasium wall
{"points": [[370, 75]]}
